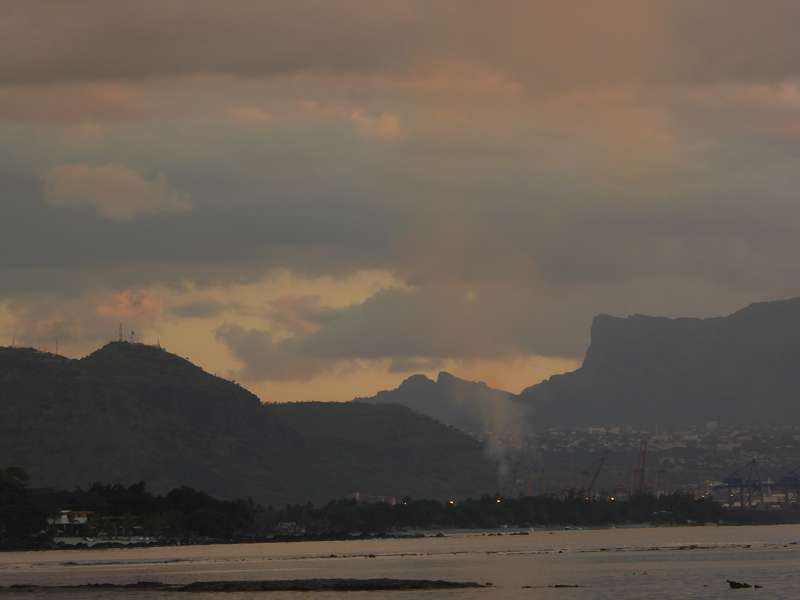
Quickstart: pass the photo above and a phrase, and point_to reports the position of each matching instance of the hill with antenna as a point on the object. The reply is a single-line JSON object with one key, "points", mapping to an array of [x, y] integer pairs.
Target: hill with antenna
{"points": [[131, 412]]}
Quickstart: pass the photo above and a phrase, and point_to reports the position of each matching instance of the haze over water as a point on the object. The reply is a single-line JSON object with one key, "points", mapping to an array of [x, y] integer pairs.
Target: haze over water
{"points": [[633, 563]]}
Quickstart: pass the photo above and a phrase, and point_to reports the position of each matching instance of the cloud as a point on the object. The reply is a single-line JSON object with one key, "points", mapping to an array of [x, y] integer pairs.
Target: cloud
{"points": [[414, 365], [294, 314], [385, 126], [199, 309], [250, 115], [192, 37], [546, 43], [86, 319], [115, 192], [73, 102], [412, 328], [265, 359]]}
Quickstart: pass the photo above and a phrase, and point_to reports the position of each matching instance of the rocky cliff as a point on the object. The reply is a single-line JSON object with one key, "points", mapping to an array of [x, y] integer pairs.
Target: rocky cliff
{"points": [[743, 368]]}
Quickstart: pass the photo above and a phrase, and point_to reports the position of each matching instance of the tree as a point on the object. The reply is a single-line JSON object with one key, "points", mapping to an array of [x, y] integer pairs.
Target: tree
{"points": [[19, 519]]}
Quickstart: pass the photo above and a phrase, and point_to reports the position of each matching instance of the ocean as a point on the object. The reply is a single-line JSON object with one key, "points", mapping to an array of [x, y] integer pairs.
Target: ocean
{"points": [[625, 563]]}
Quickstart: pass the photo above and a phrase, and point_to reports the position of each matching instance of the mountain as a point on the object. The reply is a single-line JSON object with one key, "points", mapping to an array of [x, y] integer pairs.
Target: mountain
{"points": [[380, 449], [131, 412], [643, 370], [471, 406]]}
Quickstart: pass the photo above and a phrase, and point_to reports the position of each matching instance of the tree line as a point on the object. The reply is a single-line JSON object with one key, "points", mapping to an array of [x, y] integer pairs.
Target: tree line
{"points": [[186, 514], [118, 510], [489, 512]]}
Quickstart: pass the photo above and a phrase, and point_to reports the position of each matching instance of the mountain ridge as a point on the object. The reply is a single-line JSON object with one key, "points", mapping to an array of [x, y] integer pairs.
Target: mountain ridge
{"points": [[640, 370]]}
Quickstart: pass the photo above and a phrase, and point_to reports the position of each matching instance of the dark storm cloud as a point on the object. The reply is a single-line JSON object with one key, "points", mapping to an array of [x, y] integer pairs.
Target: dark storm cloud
{"points": [[547, 42], [95, 39]]}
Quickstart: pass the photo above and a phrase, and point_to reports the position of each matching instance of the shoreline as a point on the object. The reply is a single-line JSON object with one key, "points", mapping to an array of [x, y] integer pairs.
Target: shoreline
{"points": [[276, 585], [417, 534]]}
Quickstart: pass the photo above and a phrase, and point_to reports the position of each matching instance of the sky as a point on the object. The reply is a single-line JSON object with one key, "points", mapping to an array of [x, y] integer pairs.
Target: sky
{"points": [[318, 199]]}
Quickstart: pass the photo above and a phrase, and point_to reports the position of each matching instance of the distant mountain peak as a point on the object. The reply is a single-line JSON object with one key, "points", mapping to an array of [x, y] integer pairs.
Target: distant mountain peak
{"points": [[417, 379], [467, 405]]}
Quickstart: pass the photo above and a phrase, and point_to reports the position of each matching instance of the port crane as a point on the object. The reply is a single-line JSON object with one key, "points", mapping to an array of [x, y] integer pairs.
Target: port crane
{"points": [[640, 472], [745, 485], [600, 465], [595, 473], [789, 484]]}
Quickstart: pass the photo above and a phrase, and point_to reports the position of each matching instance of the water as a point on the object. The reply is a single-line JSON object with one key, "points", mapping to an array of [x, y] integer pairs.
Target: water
{"points": [[635, 563]]}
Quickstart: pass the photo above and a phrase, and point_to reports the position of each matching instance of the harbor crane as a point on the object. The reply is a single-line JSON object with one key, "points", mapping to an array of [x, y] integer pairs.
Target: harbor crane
{"points": [[745, 485], [595, 474], [640, 472]]}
